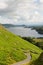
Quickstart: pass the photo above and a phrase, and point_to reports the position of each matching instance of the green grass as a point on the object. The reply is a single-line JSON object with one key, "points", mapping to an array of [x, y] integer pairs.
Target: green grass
{"points": [[12, 48]]}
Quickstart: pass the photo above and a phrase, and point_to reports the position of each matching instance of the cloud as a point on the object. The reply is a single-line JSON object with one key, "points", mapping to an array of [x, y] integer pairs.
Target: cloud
{"points": [[41, 1], [21, 11], [3, 5], [4, 20]]}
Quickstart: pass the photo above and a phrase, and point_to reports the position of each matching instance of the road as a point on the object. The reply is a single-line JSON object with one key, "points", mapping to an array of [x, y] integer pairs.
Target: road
{"points": [[24, 61]]}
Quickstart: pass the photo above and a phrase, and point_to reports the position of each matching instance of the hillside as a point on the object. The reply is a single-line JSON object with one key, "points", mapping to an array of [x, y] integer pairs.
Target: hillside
{"points": [[38, 61], [39, 29], [13, 48]]}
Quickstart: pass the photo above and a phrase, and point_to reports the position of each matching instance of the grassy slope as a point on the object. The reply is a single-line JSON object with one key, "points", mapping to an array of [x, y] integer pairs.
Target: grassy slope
{"points": [[12, 48]]}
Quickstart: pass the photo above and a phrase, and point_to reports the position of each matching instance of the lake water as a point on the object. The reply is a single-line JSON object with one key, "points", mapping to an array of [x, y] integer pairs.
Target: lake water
{"points": [[24, 32]]}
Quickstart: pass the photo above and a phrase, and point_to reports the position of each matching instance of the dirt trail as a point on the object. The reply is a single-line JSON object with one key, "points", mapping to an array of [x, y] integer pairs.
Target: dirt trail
{"points": [[24, 61]]}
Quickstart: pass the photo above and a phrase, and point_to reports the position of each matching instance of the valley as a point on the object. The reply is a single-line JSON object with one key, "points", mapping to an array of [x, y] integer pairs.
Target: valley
{"points": [[13, 48]]}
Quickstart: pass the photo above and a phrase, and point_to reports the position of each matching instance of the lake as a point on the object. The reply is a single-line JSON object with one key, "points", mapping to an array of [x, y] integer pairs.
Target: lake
{"points": [[24, 32]]}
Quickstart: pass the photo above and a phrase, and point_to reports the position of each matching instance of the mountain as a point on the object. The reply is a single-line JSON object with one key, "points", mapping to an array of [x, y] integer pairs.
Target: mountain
{"points": [[11, 25], [8, 25], [13, 48]]}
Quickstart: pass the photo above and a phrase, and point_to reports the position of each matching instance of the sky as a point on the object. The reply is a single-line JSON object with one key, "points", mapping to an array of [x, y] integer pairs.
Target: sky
{"points": [[21, 12]]}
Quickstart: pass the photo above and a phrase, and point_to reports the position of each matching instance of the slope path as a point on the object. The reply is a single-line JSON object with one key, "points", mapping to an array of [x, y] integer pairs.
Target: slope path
{"points": [[24, 61]]}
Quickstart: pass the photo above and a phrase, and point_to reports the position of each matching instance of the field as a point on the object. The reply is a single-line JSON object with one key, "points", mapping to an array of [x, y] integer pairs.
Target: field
{"points": [[13, 48], [39, 42]]}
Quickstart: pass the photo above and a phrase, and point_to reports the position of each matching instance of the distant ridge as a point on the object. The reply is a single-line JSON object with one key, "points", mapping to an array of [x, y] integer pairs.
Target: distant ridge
{"points": [[12, 25], [8, 25]]}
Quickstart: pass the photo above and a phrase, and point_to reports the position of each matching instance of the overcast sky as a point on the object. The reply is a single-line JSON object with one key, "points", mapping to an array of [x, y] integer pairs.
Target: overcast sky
{"points": [[21, 11]]}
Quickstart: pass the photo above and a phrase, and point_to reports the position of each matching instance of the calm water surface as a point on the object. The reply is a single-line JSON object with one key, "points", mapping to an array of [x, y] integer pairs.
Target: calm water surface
{"points": [[24, 32]]}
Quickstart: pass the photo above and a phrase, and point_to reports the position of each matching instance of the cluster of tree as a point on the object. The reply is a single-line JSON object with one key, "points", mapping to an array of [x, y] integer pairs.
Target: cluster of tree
{"points": [[39, 44], [28, 39]]}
